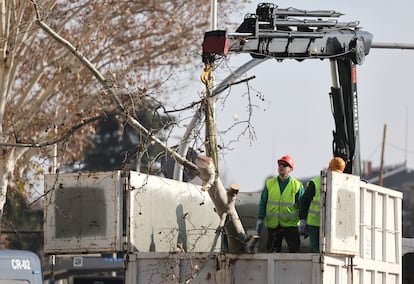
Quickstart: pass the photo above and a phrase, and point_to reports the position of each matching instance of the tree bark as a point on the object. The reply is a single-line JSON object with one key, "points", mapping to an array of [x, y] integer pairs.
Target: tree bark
{"points": [[224, 202], [6, 166]]}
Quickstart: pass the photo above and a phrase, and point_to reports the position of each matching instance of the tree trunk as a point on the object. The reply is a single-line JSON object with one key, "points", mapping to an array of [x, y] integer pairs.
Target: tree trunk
{"points": [[224, 202], [6, 169]]}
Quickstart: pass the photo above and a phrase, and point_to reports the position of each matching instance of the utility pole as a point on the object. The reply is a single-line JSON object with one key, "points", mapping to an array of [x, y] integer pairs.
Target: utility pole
{"points": [[382, 156], [213, 15]]}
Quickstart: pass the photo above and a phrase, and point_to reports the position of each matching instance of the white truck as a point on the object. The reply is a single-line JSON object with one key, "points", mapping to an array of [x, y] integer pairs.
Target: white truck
{"points": [[166, 231]]}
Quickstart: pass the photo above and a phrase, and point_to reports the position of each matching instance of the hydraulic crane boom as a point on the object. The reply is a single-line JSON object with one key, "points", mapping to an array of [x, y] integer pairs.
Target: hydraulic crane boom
{"points": [[291, 33]]}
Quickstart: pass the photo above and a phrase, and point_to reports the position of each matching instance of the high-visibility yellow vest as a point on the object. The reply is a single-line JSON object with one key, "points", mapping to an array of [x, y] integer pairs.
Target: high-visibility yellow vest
{"points": [[313, 218], [280, 208]]}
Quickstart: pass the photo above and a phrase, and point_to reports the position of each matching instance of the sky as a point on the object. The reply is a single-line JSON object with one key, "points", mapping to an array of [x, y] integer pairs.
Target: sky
{"points": [[292, 112]]}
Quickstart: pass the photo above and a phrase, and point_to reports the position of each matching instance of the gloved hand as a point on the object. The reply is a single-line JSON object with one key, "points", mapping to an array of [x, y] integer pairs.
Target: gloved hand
{"points": [[302, 228], [259, 226]]}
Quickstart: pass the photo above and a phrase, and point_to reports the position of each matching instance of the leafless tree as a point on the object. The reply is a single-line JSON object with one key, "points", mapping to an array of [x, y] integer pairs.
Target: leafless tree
{"points": [[48, 95]]}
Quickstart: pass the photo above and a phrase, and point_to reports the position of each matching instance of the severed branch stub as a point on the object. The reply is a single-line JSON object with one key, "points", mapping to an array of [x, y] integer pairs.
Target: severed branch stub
{"points": [[224, 200], [207, 172]]}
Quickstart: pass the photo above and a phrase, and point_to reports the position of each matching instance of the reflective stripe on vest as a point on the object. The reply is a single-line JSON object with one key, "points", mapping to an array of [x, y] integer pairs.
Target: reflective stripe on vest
{"points": [[313, 218], [280, 208]]}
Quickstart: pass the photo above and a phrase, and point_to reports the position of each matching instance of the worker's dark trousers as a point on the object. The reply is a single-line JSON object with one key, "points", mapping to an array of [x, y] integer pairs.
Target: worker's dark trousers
{"points": [[275, 238], [313, 233]]}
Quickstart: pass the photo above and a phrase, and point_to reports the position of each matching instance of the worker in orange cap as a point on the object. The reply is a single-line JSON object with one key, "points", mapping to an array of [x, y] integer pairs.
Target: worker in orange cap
{"points": [[278, 208], [309, 209]]}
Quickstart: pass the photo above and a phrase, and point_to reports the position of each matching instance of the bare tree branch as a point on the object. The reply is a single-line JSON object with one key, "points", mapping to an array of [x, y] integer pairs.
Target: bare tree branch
{"points": [[107, 88]]}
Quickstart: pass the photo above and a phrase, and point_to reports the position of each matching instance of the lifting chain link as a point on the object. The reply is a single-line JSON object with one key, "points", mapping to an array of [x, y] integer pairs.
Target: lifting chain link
{"points": [[206, 75]]}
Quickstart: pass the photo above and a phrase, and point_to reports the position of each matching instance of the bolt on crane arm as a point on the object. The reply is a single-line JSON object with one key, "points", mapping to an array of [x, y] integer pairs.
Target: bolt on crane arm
{"points": [[291, 33]]}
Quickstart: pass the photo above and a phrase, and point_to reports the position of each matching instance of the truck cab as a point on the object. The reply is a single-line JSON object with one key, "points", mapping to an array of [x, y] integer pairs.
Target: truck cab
{"points": [[20, 266]]}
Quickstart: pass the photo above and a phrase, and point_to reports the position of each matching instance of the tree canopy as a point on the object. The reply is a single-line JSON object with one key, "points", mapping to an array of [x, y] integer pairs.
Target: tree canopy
{"points": [[47, 97]]}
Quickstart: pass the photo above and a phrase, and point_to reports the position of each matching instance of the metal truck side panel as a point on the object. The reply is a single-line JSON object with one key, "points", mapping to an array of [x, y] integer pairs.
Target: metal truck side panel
{"points": [[362, 219], [83, 213], [344, 270], [218, 268], [368, 271], [169, 216], [275, 268], [341, 226], [380, 224]]}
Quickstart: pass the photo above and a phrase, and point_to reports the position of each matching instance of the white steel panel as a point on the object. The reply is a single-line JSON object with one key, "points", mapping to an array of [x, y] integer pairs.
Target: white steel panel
{"points": [[83, 213], [342, 210], [367, 227], [276, 268], [380, 224], [370, 271], [335, 269], [270, 268], [166, 213]]}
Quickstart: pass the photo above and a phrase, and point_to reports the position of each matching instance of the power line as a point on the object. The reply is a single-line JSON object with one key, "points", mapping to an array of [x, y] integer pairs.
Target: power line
{"points": [[407, 151]]}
